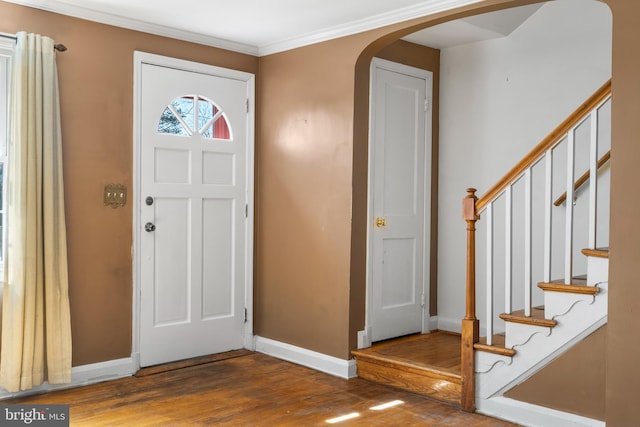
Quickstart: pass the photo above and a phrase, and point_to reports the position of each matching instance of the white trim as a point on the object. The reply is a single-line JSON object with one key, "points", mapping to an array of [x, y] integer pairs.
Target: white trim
{"points": [[378, 63], [370, 23], [135, 24], [403, 14], [140, 58], [83, 375], [455, 326], [364, 338], [433, 323], [531, 415], [311, 359], [450, 325]]}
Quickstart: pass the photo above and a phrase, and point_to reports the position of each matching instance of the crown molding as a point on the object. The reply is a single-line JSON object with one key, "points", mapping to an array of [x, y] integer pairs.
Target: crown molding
{"points": [[423, 9], [135, 24], [370, 23]]}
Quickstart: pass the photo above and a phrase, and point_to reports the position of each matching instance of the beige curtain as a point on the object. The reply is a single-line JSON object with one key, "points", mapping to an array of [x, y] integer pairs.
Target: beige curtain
{"points": [[36, 326]]}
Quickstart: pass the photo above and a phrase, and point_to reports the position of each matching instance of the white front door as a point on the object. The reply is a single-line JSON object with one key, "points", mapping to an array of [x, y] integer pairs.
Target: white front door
{"points": [[399, 195], [192, 203]]}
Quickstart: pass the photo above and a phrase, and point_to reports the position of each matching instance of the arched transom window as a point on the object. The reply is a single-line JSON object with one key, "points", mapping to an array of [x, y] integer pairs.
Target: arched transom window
{"points": [[193, 114]]}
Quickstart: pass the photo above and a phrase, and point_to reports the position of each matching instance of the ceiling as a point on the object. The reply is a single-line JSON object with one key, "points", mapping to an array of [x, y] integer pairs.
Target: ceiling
{"points": [[259, 27]]}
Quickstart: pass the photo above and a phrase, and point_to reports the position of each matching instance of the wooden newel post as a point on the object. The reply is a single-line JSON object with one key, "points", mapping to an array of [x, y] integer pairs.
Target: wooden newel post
{"points": [[470, 325]]}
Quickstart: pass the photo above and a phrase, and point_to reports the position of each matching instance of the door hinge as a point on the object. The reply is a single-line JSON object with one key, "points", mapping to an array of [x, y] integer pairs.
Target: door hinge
{"points": [[423, 300], [246, 211], [427, 104], [246, 315], [247, 105]]}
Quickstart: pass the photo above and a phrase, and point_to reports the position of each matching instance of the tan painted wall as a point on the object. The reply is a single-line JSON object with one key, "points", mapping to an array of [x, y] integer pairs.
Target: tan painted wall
{"points": [[303, 199], [303, 193], [96, 84], [623, 337], [574, 382]]}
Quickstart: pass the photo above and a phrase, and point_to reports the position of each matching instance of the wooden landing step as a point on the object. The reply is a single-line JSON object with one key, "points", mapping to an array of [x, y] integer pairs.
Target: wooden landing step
{"points": [[426, 364]]}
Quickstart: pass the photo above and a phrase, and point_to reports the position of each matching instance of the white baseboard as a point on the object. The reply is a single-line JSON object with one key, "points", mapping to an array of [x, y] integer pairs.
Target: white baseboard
{"points": [[527, 414], [364, 338], [433, 323], [83, 375], [311, 359], [450, 325], [455, 325]]}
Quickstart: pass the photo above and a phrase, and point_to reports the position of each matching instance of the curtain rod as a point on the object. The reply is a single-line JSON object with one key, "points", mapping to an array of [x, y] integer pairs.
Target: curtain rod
{"points": [[59, 47]]}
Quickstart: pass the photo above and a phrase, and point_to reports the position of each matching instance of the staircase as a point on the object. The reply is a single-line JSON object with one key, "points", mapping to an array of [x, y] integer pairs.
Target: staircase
{"points": [[536, 325], [527, 236], [570, 313]]}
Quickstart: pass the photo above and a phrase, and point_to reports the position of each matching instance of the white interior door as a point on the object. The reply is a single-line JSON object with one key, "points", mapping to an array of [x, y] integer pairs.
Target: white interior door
{"points": [[399, 193], [193, 202]]}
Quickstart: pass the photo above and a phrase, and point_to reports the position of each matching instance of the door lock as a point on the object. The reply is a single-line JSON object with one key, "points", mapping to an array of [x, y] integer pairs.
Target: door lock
{"points": [[381, 222], [149, 227]]}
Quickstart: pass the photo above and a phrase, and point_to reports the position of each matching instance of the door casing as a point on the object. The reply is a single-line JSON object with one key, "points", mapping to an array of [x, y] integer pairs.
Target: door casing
{"points": [[364, 336], [147, 58]]}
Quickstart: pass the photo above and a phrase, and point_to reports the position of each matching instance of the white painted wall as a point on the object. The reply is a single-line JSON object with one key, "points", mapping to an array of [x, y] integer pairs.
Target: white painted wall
{"points": [[498, 99]]}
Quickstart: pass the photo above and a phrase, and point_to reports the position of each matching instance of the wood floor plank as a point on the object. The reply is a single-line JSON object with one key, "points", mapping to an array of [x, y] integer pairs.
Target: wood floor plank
{"points": [[252, 390]]}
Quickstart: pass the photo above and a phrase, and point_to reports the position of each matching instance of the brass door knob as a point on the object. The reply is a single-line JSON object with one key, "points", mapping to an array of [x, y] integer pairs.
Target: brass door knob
{"points": [[381, 222]]}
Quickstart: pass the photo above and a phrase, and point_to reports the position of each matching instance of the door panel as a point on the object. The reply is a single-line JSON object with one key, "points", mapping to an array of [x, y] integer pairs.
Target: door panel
{"points": [[171, 276], [399, 191], [217, 251], [193, 158]]}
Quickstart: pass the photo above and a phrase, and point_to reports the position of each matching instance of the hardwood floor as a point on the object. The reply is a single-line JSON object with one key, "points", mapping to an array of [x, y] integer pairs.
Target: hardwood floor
{"points": [[249, 390]]}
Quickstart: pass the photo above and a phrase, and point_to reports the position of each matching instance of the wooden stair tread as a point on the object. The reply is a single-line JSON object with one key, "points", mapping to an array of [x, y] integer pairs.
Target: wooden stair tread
{"points": [[497, 346], [575, 280], [598, 252], [571, 288], [537, 318]]}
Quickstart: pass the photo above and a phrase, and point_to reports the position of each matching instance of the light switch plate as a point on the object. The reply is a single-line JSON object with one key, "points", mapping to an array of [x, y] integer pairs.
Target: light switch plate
{"points": [[115, 195]]}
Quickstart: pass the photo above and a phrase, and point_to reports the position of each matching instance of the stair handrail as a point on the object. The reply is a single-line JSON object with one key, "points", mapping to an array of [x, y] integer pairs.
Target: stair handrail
{"points": [[472, 207], [583, 178], [549, 142]]}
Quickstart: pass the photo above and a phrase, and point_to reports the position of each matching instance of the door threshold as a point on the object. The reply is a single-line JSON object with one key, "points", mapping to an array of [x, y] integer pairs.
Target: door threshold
{"points": [[187, 363]]}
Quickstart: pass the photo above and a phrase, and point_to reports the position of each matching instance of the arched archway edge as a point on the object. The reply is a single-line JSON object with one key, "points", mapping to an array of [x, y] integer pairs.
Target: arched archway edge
{"points": [[381, 38]]}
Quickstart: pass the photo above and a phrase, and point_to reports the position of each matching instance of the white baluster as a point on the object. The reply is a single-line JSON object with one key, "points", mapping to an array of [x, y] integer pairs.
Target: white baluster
{"points": [[527, 242], [593, 180], [489, 302], [508, 227], [568, 237], [548, 214]]}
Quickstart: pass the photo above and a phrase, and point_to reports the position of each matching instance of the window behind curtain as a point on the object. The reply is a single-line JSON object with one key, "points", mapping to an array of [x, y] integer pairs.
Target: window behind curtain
{"points": [[6, 49]]}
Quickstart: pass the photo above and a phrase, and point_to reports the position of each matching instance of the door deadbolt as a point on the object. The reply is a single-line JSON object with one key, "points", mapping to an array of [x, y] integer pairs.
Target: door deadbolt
{"points": [[149, 200], [381, 222], [149, 227]]}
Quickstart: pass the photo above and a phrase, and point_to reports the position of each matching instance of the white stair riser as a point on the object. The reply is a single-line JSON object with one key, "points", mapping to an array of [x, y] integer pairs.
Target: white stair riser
{"points": [[597, 270], [485, 361], [559, 303], [519, 334]]}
